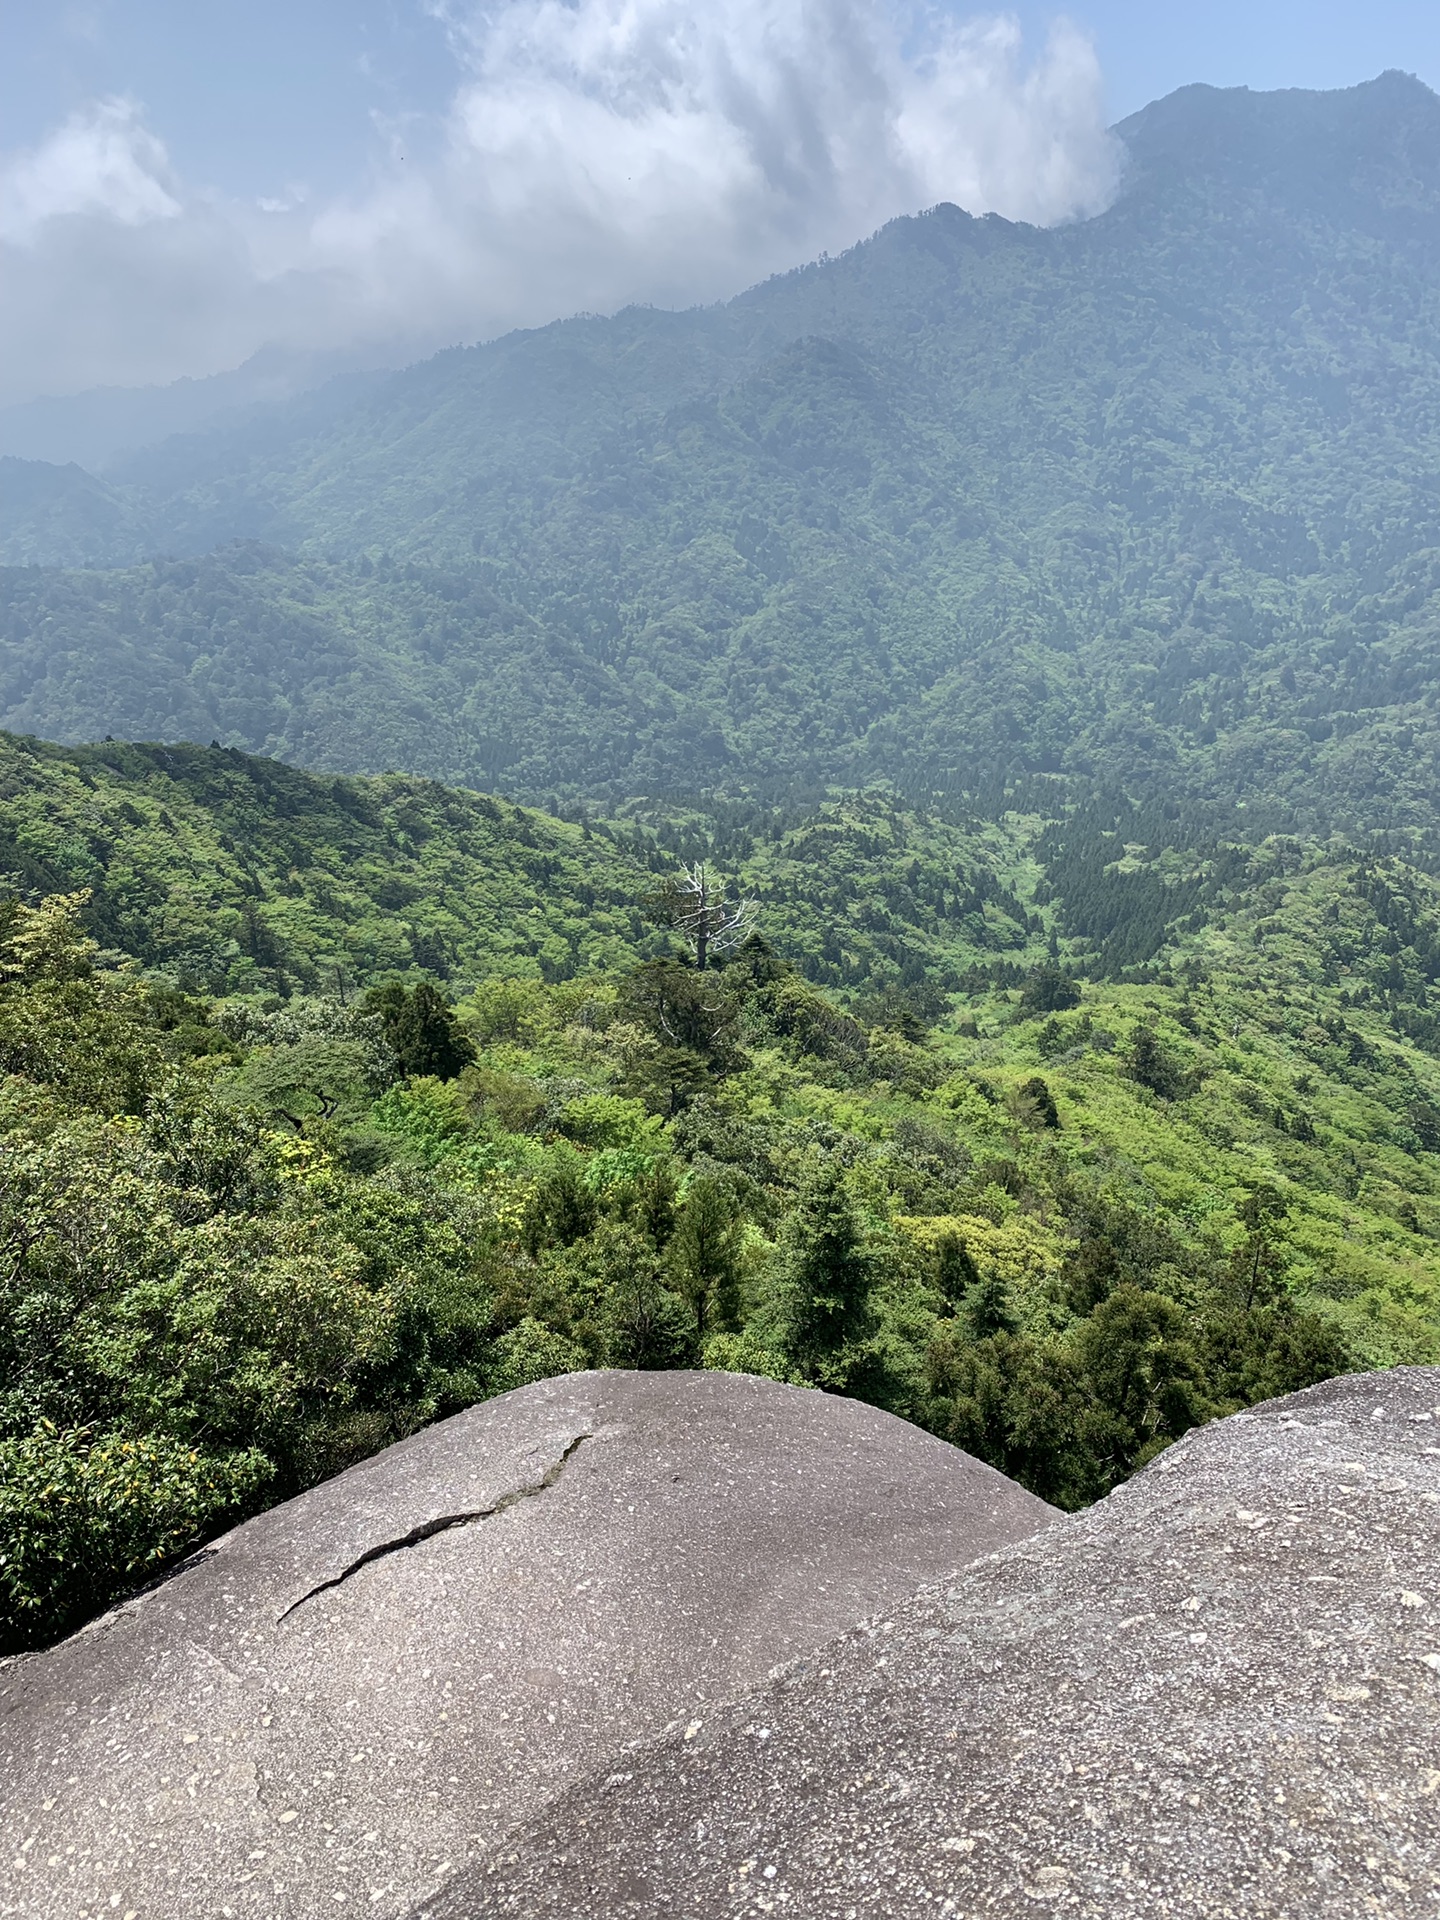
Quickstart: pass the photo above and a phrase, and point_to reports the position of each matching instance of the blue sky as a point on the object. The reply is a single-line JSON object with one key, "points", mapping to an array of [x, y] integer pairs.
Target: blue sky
{"points": [[1149, 50], [246, 95], [185, 182], [252, 94]]}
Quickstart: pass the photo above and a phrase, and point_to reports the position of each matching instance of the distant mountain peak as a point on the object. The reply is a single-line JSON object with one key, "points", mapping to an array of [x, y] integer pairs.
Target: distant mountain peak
{"points": [[1347, 154]]}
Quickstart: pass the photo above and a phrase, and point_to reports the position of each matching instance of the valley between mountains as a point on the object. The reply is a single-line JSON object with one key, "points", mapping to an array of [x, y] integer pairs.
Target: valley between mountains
{"points": [[1031, 636]]}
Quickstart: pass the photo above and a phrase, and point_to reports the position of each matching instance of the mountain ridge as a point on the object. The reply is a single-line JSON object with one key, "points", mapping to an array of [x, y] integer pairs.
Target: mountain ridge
{"points": [[1145, 499]]}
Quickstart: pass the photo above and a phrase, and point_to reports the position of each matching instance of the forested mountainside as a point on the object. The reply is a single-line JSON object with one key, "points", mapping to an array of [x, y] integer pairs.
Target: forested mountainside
{"points": [[332, 1105], [1148, 500], [1038, 628]]}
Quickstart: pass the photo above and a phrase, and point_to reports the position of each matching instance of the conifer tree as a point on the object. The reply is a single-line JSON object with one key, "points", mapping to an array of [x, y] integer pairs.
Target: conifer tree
{"points": [[955, 1270], [826, 1276], [1152, 1066], [988, 1307], [706, 1254], [423, 1030]]}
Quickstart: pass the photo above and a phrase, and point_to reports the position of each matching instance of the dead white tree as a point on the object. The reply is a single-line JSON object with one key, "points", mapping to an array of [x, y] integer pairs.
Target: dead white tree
{"points": [[694, 903]]}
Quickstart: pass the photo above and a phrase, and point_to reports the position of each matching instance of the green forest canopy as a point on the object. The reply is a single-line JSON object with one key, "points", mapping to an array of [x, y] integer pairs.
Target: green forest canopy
{"points": [[1047, 1139]]}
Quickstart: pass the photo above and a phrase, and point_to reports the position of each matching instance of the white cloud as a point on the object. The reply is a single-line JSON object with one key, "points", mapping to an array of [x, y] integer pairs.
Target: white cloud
{"points": [[595, 152], [100, 163]]}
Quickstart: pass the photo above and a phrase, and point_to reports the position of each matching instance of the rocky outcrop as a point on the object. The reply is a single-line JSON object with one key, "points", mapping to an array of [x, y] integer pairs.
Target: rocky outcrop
{"points": [[1214, 1694], [344, 1702]]}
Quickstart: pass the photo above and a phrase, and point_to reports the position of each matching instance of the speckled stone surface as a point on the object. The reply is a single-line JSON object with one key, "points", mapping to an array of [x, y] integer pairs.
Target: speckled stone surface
{"points": [[360, 1692], [1214, 1694]]}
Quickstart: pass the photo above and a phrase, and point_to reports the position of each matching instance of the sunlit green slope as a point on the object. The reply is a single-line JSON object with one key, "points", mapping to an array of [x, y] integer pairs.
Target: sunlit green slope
{"points": [[1288, 986]]}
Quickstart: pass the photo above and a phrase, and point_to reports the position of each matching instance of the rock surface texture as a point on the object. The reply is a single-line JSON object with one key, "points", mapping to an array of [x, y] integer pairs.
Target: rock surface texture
{"points": [[1217, 1693], [348, 1699]]}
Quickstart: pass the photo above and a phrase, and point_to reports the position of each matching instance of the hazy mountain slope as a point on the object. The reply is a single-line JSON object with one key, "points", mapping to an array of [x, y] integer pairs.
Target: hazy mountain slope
{"points": [[1148, 498], [103, 424], [64, 516]]}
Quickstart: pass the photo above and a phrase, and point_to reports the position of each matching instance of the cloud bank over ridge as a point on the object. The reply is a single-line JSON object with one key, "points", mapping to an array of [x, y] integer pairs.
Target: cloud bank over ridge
{"points": [[594, 152]]}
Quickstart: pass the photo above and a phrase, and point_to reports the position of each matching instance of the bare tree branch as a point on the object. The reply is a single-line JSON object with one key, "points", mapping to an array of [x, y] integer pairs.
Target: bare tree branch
{"points": [[694, 904]]}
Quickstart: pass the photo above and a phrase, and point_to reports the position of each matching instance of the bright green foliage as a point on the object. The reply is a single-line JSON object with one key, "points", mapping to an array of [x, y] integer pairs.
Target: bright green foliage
{"points": [[85, 1517], [195, 1313], [532, 1351], [606, 1120], [1057, 1209], [235, 875], [746, 1352], [193, 1273], [308, 1080], [58, 1024]]}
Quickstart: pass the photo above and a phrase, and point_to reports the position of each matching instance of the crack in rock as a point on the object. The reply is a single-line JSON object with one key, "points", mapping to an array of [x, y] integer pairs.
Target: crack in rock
{"points": [[428, 1529]]}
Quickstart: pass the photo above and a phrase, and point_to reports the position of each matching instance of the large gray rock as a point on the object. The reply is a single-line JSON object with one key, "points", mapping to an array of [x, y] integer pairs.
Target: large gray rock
{"points": [[356, 1694], [1217, 1693]]}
